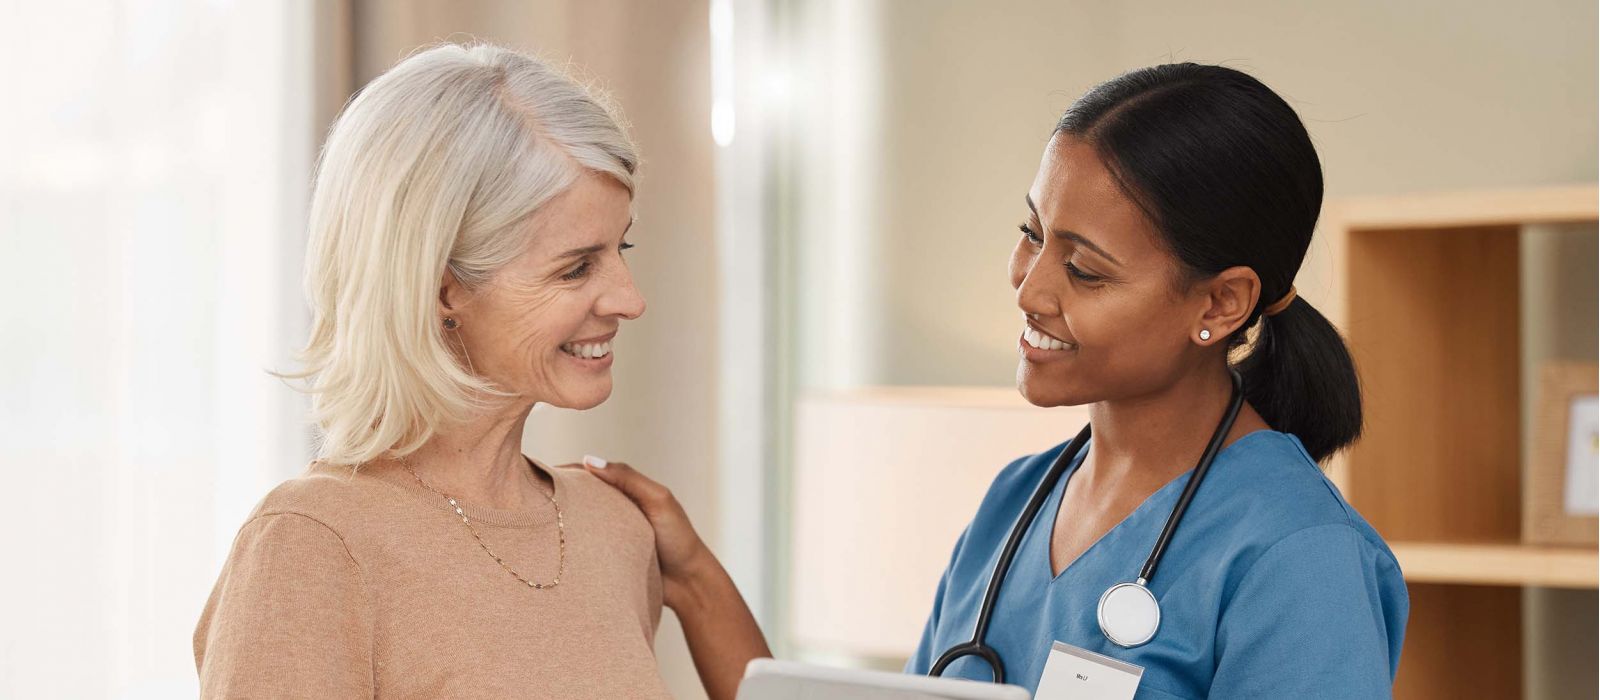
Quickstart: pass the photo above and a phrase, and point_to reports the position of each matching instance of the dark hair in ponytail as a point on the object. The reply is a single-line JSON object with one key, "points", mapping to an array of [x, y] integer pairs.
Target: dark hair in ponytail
{"points": [[1226, 171]]}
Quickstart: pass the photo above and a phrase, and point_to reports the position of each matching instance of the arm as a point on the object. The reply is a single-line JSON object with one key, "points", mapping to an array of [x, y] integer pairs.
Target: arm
{"points": [[722, 633], [1319, 615], [288, 616]]}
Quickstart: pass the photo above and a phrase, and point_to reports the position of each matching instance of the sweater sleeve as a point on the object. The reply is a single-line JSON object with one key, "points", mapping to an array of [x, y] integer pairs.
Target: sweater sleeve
{"points": [[289, 616]]}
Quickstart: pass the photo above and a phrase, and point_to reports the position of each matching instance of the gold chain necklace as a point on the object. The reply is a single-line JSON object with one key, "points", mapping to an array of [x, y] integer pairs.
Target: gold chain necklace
{"points": [[561, 532]]}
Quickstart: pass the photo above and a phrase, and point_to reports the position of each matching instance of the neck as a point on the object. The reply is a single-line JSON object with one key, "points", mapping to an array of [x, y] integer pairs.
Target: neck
{"points": [[480, 460], [1149, 440]]}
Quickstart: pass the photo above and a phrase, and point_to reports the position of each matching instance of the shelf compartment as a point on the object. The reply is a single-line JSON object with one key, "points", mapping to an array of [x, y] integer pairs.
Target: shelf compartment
{"points": [[1433, 323], [1462, 642]]}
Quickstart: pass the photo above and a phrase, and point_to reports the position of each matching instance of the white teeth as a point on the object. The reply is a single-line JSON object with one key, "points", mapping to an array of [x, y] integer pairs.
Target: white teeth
{"points": [[1039, 340], [587, 351]]}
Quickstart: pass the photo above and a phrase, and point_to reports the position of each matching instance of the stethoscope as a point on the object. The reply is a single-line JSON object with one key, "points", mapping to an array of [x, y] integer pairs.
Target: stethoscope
{"points": [[1129, 614]]}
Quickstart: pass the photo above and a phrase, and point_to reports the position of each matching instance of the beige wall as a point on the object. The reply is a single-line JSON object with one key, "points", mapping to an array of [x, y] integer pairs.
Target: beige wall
{"points": [[653, 58], [1399, 97]]}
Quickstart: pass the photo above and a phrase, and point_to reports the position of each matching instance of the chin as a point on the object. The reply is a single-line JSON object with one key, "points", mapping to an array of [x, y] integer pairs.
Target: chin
{"points": [[1046, 392], [583, 398], [591, 400]]}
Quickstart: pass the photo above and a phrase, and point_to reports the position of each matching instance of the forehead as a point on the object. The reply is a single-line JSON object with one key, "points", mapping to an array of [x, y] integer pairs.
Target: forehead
{"points": [[1074, 191], [594, 209]]}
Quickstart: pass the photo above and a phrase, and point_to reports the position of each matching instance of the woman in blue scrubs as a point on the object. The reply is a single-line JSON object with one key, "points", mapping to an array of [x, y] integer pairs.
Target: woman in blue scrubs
{"points": [[1170, 213], [1156, 258]]}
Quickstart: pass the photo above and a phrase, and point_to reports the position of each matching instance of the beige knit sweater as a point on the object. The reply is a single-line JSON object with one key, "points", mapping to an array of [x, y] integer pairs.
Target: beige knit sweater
{"points": [[370, 586]]}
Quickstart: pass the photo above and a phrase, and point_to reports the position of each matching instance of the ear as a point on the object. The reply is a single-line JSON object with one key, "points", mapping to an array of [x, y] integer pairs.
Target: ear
{"points": [[452, 295], [1230, 297]]}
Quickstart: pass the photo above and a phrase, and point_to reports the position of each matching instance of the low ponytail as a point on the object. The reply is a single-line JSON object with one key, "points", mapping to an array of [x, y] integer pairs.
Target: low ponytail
{"points": [[1299, 376], [1225, 170]]}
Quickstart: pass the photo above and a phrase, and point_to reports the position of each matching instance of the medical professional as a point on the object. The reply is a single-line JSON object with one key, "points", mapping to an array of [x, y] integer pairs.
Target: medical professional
{"points": [[1185, 544]]}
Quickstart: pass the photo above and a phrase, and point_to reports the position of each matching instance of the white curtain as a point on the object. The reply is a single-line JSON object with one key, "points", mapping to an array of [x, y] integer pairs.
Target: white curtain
{"points": [[154, 161]]}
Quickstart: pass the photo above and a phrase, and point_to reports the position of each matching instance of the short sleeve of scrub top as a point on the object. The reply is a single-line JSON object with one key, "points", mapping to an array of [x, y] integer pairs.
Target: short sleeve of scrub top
{"points": [[1272, 586]]}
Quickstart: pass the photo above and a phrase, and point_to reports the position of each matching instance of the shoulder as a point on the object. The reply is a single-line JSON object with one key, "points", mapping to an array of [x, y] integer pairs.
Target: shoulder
{"points": [[1022, 475], [341, 500], [283, 544], [1283, 503], [578, 483], [288, 541], [587, 493]]}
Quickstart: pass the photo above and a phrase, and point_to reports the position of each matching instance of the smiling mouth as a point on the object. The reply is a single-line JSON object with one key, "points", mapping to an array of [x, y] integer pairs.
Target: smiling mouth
{"points": [[587, 351], [1036, 338]]}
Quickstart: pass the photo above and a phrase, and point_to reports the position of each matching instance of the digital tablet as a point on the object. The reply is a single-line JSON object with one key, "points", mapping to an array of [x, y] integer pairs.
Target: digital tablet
{"points": [[769, 679]]}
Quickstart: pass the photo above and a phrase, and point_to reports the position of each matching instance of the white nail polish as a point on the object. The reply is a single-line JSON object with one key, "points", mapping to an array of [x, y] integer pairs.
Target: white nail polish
{"points": [[594, 461]]}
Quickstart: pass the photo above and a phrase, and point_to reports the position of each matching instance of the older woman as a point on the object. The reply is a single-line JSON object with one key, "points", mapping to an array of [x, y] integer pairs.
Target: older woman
{"points": [[466, 262]]}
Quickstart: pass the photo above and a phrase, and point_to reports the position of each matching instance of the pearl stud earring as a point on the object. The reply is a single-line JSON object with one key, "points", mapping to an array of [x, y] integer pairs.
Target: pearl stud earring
{"points": [[1205, 334]]}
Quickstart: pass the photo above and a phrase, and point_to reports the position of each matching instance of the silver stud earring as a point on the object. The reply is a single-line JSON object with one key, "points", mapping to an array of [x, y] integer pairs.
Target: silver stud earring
{"points": [[1205, 334], [450, 323]]}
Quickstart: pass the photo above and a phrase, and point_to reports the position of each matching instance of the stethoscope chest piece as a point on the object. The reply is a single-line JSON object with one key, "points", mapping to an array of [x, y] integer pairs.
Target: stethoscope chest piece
{"points": [[1129, 614]]}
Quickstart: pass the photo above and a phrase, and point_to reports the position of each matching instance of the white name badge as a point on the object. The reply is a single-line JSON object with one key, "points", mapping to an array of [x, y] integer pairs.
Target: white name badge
{"points": [[1078, 674]]}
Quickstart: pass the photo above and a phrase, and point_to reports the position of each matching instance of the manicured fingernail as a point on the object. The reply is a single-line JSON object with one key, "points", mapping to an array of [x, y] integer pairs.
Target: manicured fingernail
{"points": [[594, 461]]}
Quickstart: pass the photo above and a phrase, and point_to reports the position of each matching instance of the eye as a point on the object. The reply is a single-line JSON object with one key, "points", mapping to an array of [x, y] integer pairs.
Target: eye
{"points": [[1027, 231], [577, 272], [625, 247], [1078, 273]]}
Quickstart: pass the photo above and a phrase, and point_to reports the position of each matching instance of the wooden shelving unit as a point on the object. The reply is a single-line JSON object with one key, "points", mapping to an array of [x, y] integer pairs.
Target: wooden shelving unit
{"points": [[1429, 303]]}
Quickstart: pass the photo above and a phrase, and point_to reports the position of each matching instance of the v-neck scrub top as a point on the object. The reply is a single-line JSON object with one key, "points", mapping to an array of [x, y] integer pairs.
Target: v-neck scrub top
{"points": [[1272, 586]]}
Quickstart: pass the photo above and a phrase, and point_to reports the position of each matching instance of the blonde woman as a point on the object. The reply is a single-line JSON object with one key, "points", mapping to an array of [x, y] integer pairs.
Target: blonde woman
{"points": [[466, 261]]}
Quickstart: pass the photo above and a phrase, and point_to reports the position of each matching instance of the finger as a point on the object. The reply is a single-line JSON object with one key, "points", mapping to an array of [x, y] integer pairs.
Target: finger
{"points": [[637, 487], [617, 474]]}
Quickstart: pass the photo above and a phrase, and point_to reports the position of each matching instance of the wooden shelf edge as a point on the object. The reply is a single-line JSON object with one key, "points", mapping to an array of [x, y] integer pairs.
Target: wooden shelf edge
{"points": [[1557, 204], [1499, 564]]}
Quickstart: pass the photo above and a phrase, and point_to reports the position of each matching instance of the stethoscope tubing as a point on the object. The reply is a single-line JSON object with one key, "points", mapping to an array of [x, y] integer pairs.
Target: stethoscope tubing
{"points": [[976, 646], [1201, 468]]}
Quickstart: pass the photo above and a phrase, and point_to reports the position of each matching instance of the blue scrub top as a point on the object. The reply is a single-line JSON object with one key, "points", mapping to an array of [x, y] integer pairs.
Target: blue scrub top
{"points": [[1273, 586]]}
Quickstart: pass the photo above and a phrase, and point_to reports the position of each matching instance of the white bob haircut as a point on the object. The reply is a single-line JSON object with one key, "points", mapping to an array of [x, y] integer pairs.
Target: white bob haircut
{"points": [[433, 166]]}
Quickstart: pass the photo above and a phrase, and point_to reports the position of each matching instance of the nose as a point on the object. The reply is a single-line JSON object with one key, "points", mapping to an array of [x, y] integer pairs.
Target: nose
{"points": [[1038, 286], [622, 298]]}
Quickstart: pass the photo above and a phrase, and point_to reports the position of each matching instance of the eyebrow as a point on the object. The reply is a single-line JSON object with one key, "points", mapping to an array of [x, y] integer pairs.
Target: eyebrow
{"points": [[591, 250], [1077, 238], [581, 252]]}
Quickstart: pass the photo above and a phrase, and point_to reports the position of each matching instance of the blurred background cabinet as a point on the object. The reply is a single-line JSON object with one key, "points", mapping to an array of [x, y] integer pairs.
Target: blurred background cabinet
{"points": [[1448, 328]]}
